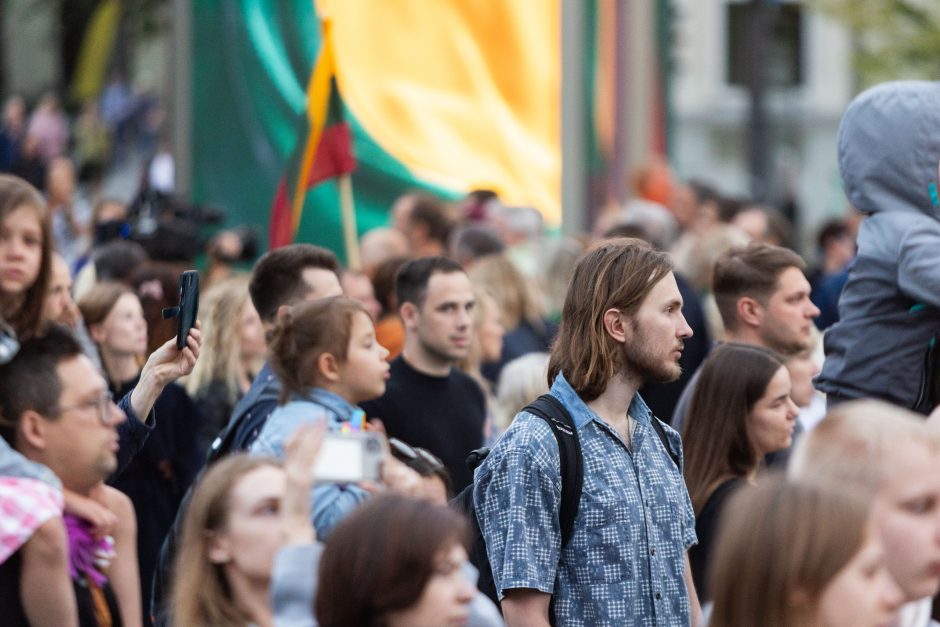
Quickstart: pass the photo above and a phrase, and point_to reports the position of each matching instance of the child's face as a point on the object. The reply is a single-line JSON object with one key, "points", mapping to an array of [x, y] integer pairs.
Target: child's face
{"points": [[362, 376], [20, 250], [906, 513]]}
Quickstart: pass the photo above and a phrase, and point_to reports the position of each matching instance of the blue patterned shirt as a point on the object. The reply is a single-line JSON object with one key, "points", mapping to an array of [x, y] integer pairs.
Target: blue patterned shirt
{"points": [[625, 563]]}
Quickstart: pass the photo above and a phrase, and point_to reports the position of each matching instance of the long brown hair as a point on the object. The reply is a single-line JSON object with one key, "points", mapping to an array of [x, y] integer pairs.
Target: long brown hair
{"points": [[380, 558], [306, 331], [26, 315], [617, 274], [201, 594], [779, 546], [717, 447]]}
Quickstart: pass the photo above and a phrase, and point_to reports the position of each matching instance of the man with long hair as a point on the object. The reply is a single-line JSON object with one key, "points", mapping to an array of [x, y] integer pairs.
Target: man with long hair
{"points": [[625, 563]]}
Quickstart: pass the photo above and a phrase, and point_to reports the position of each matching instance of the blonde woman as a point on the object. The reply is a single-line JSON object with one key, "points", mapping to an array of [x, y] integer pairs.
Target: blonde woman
{"points": [[232, 353], [527, 331]]}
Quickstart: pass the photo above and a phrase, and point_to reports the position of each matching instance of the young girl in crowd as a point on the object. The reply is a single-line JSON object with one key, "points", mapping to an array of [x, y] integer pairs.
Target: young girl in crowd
{"points": [[800, 554], [740, 412], [396, 562], [25, 255], [327, 359]]}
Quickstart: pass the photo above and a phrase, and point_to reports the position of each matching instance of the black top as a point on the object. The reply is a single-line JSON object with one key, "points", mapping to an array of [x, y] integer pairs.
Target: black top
{"points": [[160, 474], [11, 605], [706, 528], [445, 415]]}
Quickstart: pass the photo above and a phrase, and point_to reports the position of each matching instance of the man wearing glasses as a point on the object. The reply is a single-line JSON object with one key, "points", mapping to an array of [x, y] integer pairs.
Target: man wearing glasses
{"points": [[57, 411]]}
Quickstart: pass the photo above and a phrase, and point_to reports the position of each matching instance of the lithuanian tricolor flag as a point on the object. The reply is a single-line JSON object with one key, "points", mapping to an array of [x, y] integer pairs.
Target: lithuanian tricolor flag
{"points": [[444, 96], [325, 153]]}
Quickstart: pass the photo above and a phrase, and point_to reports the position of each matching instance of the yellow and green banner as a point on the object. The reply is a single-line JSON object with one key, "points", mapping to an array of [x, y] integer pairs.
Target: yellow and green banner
{"points": [[445, 95]]}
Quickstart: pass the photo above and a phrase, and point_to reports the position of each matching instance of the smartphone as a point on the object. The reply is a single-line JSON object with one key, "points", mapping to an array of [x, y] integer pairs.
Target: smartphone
{"points": [[349, 458], [185, 312]]}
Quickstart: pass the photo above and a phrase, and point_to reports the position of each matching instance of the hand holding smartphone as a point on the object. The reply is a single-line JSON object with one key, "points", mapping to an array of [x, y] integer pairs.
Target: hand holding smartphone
{"points": [[185, 312]]}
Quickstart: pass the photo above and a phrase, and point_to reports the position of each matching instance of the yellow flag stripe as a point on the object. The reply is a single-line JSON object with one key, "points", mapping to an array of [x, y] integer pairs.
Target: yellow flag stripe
{"points": [[318, 100]]}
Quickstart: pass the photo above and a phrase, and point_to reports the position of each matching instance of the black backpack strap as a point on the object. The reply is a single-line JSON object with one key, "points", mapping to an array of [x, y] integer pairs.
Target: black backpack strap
{"points": [[550, 409], [658, 427]]}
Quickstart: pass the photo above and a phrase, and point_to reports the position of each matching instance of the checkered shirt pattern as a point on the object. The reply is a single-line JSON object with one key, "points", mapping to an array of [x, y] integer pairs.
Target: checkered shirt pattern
{"points": [[625, 562], [25, 505]]}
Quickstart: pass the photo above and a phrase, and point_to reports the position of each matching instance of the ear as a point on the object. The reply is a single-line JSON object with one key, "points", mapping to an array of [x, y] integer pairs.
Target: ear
{"points": [[96, 331], [281, 312], [328, 367], [409, 313], [32, 428], [750, 311], [615, 323], [218, 550]]}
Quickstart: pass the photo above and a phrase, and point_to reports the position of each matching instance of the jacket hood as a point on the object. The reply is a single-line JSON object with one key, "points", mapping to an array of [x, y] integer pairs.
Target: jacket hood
{"points": [[889, 148]]}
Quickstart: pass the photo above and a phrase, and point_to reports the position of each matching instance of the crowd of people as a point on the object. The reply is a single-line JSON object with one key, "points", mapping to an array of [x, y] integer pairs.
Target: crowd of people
{"points": [[624, 428]]}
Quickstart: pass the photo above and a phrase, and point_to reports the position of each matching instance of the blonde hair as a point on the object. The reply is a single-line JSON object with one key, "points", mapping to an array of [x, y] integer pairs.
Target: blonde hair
{"points": [[521, 381], [517, 301], [851, 446], [779, 545], [474, 360], [201, 594], [219, 359]]}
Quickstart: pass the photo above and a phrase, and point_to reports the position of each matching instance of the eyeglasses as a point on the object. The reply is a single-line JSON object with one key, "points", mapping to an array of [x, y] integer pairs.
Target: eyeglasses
{"points": [[402, 450], [102, 403]]}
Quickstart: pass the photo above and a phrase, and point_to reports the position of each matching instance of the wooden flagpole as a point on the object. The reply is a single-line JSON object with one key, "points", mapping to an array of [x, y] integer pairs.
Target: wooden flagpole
{"points": [[349, 222]]}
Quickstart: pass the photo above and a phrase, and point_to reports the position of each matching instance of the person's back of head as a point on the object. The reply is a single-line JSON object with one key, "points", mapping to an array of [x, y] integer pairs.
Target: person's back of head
{"points": [[222, 312], [473, 242], [521, 381], [892, 457], [290, 274], [384, 283], [118, 260], [379, 560], [750, 271], [616, 274], [779, 546], [424, 219], [856, 442], [378, 245], [516, 298]]}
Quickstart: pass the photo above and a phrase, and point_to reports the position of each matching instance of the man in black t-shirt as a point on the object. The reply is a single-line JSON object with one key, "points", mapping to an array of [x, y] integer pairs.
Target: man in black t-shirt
{"points": [[428, 402]]}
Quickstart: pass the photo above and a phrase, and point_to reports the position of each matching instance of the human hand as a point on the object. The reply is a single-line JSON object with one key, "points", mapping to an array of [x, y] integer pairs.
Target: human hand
{"points": [[301, 452], [168, 363], [102, 520]]}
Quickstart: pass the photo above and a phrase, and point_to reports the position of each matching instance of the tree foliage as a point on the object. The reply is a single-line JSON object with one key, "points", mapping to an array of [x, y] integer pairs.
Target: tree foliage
{"points": [[893, 39]]}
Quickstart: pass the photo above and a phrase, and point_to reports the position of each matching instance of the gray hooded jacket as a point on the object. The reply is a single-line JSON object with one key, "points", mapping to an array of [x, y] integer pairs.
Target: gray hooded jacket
{"points": [[883, 344]]}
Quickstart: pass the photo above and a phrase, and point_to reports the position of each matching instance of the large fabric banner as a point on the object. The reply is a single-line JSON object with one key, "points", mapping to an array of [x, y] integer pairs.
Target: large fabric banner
{"points": [[446, 95]]}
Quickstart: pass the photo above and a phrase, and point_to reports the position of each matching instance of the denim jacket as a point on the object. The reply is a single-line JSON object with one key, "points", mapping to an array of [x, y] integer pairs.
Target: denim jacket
{"points": [[330, 502]]}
